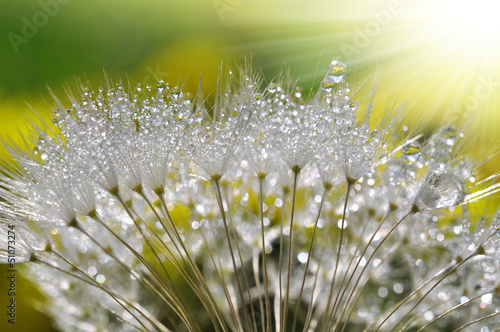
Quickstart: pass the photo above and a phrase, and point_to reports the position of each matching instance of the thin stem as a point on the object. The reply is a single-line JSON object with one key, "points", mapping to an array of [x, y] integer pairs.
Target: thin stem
{"points": [[420, 314], [279, 318], [296, 172], [349, 185], [223, 281], [338, 299], [136, 254], [193, 265], [431, 289], [211, 306], [409, 213], [407, 298], [146, 239], [143, 195], [235, 267], [116, 297], [264, 264], [245, 279], [312, 300], [255, 265], [370, 275], [38, 260], [128, 269], [477, 321], [311, 246], [448, 311]]}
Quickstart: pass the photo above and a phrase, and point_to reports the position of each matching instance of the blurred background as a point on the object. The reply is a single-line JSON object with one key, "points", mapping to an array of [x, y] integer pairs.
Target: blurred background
{"points": [[441, 56]]}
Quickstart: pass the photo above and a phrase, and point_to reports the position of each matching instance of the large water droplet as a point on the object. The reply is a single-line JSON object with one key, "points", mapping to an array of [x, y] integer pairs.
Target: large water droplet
{"points": [[160, 86], [176, 92], [440, 190], [272, 88], [411, 151], [353, 105], [327, 85], [336, 71], [449, 135], [298, 92]]}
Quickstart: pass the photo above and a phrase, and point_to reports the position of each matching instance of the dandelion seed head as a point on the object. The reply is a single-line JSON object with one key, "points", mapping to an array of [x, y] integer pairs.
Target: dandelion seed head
{"points": [[130, 192]]}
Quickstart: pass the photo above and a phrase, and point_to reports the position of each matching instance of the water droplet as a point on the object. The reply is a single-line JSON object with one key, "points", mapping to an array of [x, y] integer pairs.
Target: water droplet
{"points": [[412, 151], [298, 92], [199, 114], [327, 85], [336, 71], [160, 86], [139, 87], [188, 99], [353, 105], [449, 135], [176, 92], [272, 88], [440, 190]]}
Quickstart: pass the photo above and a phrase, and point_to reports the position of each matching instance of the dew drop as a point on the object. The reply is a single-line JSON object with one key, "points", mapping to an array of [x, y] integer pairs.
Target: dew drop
{"points": [[336, 71], [441, 190], [327, 85], [298, 92], [199, 114], [353, 105], [412, 151], [272, 88], [160, 86], [449, 135], [176, 92]]}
